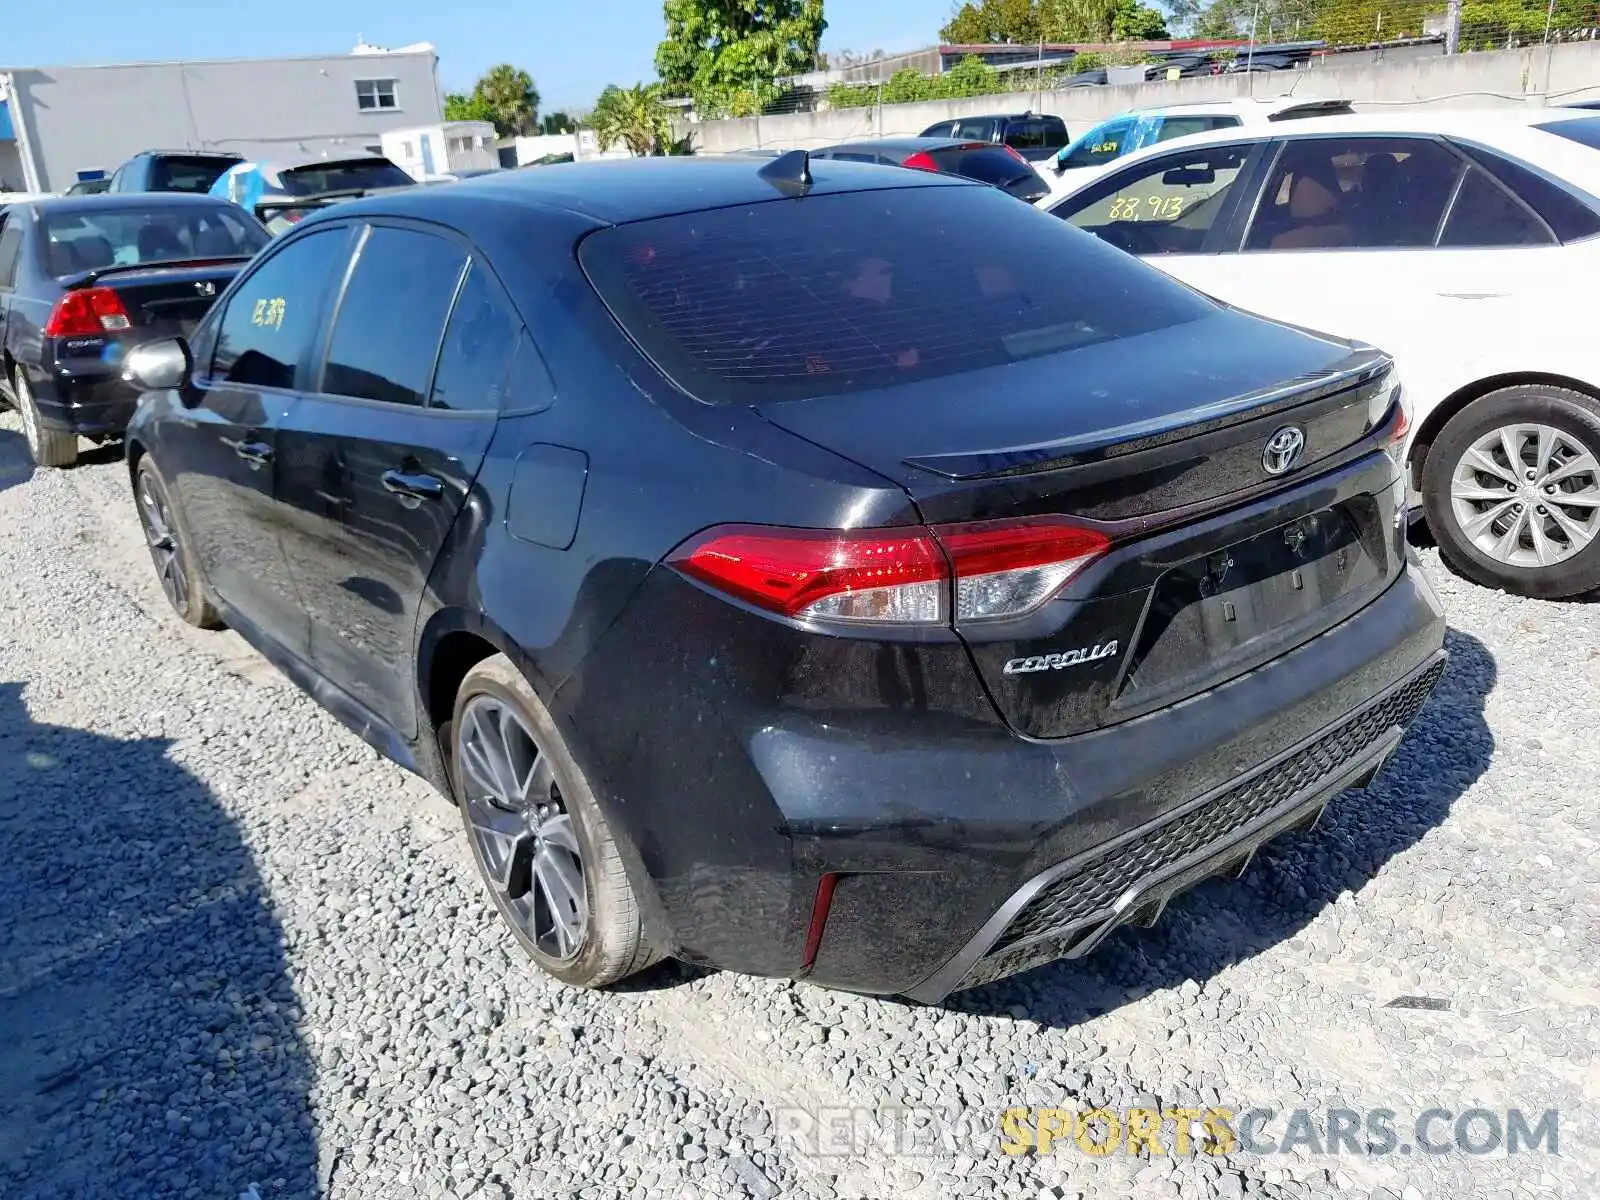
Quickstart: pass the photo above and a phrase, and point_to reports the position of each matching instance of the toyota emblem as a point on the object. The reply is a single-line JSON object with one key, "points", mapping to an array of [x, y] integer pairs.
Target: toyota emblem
{"points": [[206, 288], [1283, 450]]}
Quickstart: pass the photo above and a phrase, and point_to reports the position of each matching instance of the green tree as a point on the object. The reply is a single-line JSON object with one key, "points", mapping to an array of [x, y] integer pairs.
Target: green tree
{"points": [[1023, 21], [460, 106], [728, 54], [557, 122], [993, 21], [633, 116], [508, 98]]}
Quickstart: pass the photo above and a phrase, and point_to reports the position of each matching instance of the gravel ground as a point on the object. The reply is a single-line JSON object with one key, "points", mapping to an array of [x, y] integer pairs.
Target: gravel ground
{"points": [[239, 954]]}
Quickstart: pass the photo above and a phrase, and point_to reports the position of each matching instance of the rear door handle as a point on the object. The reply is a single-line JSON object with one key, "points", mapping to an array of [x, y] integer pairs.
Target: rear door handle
{"points": [[412, 489], [257, 454]]}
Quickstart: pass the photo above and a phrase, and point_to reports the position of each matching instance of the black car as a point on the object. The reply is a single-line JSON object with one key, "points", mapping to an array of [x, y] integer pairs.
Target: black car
{"points": [[999, 166], [82, 279], [798, 567], [191, 171], [1035, 136]]}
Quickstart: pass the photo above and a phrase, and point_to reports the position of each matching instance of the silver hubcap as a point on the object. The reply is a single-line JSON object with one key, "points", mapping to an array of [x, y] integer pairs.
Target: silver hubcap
{"points": [[1527, 495], [163, 542], [521, 829]]}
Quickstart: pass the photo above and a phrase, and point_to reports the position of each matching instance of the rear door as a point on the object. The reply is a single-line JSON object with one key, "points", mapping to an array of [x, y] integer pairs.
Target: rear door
{"points": [[221, 453], [382, 457], [10, 255]]}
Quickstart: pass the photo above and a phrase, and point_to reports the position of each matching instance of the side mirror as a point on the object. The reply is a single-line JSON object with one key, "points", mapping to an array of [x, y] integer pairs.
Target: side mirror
{"points": [[159, 366]]}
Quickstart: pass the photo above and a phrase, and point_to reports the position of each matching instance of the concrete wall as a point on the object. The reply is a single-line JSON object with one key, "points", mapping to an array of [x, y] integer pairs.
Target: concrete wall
{"points": [[1464, 80], [80, 118]]}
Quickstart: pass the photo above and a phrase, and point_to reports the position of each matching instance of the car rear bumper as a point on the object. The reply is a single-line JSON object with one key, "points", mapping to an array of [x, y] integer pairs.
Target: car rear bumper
{"points": [[901, 851], [96, 406]]}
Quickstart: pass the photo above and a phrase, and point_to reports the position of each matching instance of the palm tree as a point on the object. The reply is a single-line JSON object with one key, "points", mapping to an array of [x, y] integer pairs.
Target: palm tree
{"points": [[508, 95], [633, 116]]}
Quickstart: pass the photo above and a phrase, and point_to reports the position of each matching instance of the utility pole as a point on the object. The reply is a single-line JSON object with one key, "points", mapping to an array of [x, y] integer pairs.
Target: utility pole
{"points": [[1452, 28]]}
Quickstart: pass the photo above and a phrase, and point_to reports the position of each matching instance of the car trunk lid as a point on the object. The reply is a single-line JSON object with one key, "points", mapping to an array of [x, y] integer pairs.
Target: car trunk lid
{"points": [[1216, 563], [164, 299]]}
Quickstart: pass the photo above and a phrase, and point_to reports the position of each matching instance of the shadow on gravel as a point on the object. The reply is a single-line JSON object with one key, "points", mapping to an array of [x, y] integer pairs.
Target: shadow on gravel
{"points": [[151, 1043], [1292, 879], [16, 464]]}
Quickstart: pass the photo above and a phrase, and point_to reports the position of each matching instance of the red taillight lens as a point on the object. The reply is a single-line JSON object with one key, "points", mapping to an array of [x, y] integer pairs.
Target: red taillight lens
{"points": [[1007, 568], [921, 161], [87, 312], [998, 569], [897, 576], [1012, 150]]}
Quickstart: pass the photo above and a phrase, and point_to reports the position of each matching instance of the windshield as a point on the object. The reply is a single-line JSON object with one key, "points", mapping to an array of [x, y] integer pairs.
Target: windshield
{"points": [[844, 293], [1101, 144], [94, 239], [360, 174]]}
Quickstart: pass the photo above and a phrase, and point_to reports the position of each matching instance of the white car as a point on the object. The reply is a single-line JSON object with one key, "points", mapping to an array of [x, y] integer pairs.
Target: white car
{"points": [[1129, 132], [1466, 244]]}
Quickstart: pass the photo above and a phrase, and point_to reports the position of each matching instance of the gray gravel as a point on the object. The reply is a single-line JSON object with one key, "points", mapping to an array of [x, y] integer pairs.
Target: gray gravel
{"points": [[239, 954]]}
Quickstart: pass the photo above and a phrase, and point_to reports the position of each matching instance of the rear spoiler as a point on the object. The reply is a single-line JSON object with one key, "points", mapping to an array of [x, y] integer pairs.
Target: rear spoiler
{"points": [[89, 278], [273, 204]]}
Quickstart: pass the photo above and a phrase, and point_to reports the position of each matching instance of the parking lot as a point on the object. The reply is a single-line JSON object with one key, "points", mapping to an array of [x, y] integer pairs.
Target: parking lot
{"points": [[244, 955]]}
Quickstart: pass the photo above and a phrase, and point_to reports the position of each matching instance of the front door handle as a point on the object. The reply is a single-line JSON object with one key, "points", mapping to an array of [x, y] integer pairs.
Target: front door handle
{"points": [[411, 489], [257, 454]]}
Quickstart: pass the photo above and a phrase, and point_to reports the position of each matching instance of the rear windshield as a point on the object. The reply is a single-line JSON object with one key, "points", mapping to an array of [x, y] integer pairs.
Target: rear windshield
{"points": [[364, 174], [995, 166], [1584, 130], [175, 173], [828, 294], [94, 239]]}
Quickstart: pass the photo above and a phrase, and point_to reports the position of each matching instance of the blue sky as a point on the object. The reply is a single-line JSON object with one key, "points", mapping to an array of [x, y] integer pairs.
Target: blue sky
{"points": [[571, 49]]}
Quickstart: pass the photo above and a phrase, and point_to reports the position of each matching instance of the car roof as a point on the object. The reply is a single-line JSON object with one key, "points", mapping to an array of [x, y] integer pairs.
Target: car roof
{"points": [[616, 191], [231, 154], [1014, 116], [1249, 108], [1512, 127]]}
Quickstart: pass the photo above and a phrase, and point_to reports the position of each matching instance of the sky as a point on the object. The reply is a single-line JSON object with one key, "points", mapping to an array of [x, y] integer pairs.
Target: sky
{"points": [[571, 49]]}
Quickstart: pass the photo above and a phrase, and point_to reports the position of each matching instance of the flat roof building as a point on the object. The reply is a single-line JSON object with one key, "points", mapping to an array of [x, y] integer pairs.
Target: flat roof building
{"points": [[62, 124]]}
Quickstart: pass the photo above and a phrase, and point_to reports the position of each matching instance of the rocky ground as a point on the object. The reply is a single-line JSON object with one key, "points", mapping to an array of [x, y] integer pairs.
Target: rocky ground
{"points": [[240, 955]]}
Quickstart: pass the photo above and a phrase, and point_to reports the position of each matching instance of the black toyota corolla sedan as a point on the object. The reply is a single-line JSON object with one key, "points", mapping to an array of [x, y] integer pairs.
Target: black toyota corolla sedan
{"points": [[807, 569]]}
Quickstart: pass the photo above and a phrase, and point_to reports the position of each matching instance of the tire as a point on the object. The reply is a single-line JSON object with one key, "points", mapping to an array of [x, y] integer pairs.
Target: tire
{"points": [[507, 843], [176, 568], [49, 447], [1497, 526]]}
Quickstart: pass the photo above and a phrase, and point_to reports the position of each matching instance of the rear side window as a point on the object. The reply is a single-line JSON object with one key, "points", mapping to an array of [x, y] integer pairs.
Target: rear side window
{"points": [[1485, 214], [942, 129], [979, 129], [1036, 135], [843, 293], [1568, 217], [1338, 193], [386, 336], [170, 173], [276, 313], [478, 345], [1583, 130]]}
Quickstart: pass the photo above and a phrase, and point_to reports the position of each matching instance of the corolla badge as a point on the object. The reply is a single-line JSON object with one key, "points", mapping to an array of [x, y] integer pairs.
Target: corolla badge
{"points": [[1054, 662], [1284, 448]]}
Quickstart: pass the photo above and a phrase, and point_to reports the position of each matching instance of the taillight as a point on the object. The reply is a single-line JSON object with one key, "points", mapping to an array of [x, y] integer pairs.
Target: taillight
{"points": [[913, 576], [921, 161], [87, 312], [1007, 568]]}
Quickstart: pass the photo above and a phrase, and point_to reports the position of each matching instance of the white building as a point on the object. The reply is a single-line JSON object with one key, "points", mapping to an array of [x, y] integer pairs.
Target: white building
{"points": [[431, 150]]}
